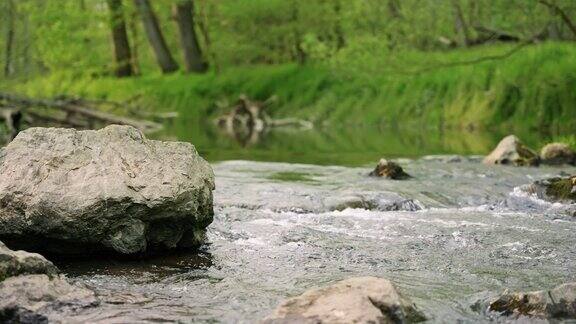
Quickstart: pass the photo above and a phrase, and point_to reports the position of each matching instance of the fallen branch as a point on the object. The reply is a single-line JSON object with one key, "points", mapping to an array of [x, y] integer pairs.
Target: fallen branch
{"points": [[74, 108], [494, 35]]}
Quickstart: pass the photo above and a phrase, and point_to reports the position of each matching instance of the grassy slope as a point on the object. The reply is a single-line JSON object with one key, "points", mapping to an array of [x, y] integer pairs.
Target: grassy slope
{"points": [[536, 87]]}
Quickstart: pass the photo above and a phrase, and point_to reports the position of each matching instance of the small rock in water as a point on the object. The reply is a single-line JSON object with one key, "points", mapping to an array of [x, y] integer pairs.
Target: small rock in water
{"points": [[390, 170], [511, 151], [382, 202], [82, 192], [31, 291], [355, 300], [558, 303], [15, 263], [558, 153], [557, 189]]}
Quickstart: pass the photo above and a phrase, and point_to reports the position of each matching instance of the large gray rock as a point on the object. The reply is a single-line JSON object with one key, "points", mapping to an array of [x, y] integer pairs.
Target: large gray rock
{"points": [[41, 299], [558, 303], [78, 192], [355, 300], [511, 151], [15, 263], [558, 153]]}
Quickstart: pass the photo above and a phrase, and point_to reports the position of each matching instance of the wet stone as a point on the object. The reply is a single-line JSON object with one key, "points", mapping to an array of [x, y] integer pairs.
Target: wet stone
{"points": [[511, 151], [355, 300], [390, 170], [558, 303], [557, 154]]}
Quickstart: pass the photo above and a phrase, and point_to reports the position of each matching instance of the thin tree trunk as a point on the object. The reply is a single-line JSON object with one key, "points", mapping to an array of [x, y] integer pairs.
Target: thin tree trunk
{"points": [[460, 24], [155, 37], [135, 42], [203, 24], [122, 53], [565, 17], [340, 39], [394, 9], [10, 31], [184, 14], [299, 54]]}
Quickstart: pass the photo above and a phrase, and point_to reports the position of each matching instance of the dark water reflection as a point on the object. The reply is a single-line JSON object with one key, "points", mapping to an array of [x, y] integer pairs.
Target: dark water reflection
{"points": [[341, 145]]}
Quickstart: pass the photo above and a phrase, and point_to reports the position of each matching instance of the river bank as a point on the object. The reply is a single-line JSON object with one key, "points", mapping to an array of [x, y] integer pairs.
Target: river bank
{"points": [[531, 88]]}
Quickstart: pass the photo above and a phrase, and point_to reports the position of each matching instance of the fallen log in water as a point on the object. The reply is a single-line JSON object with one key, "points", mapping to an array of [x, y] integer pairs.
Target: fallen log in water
{"points": [[64, 111], [247, 119]]}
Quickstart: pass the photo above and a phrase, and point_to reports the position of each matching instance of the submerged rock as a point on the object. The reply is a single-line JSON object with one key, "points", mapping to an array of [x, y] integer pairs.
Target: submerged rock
{"points": [[41, 299], [380, 201], [554, 189], [558, 303], [82, 192], [511, 151], [355, 300], [558, 153], [390, 170], [15, 263]]}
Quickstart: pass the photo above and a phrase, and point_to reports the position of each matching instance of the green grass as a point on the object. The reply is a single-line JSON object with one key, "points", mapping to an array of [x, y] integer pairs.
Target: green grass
{"points": [[533, 88]]}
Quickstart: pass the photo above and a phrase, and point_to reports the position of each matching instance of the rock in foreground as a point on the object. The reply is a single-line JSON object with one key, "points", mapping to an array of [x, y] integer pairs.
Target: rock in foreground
{"points": [[390, 170], [355, 300], [15, 263], [80, 192], [558, 303], [511, 151], [557, 154], [39, 298]]}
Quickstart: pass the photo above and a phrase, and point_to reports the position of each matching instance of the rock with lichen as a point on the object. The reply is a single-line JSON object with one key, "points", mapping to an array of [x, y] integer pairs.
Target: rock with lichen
{"points": [[558, 303], [557, 154], [390, 170], [511, 151]]}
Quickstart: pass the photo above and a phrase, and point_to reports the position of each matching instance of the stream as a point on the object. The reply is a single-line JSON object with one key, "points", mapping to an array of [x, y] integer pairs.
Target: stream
{"points": [[451, 238]]}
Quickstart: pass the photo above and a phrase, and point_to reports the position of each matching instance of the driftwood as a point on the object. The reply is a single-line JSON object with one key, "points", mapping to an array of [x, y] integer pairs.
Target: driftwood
{"points": [[63, 111], [247, 120]]}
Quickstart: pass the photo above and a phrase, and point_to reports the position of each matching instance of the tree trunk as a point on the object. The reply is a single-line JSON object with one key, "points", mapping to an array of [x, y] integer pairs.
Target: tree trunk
{"points": [[338, 31], [563, 15], [460, 24], [155, 37], [132, 19], [203, 24], [184, 14], [394, 9], [122, 53], [10, 30], [299, 53]]}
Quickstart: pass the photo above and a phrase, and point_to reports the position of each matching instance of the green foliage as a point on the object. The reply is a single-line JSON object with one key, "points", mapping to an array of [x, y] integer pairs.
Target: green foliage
{"points": [[291, 177], [532, 88], [356, 62]]}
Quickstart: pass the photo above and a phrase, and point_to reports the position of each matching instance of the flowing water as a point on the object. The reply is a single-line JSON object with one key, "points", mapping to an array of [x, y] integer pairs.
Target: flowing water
{"points": [[451, 238]]}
